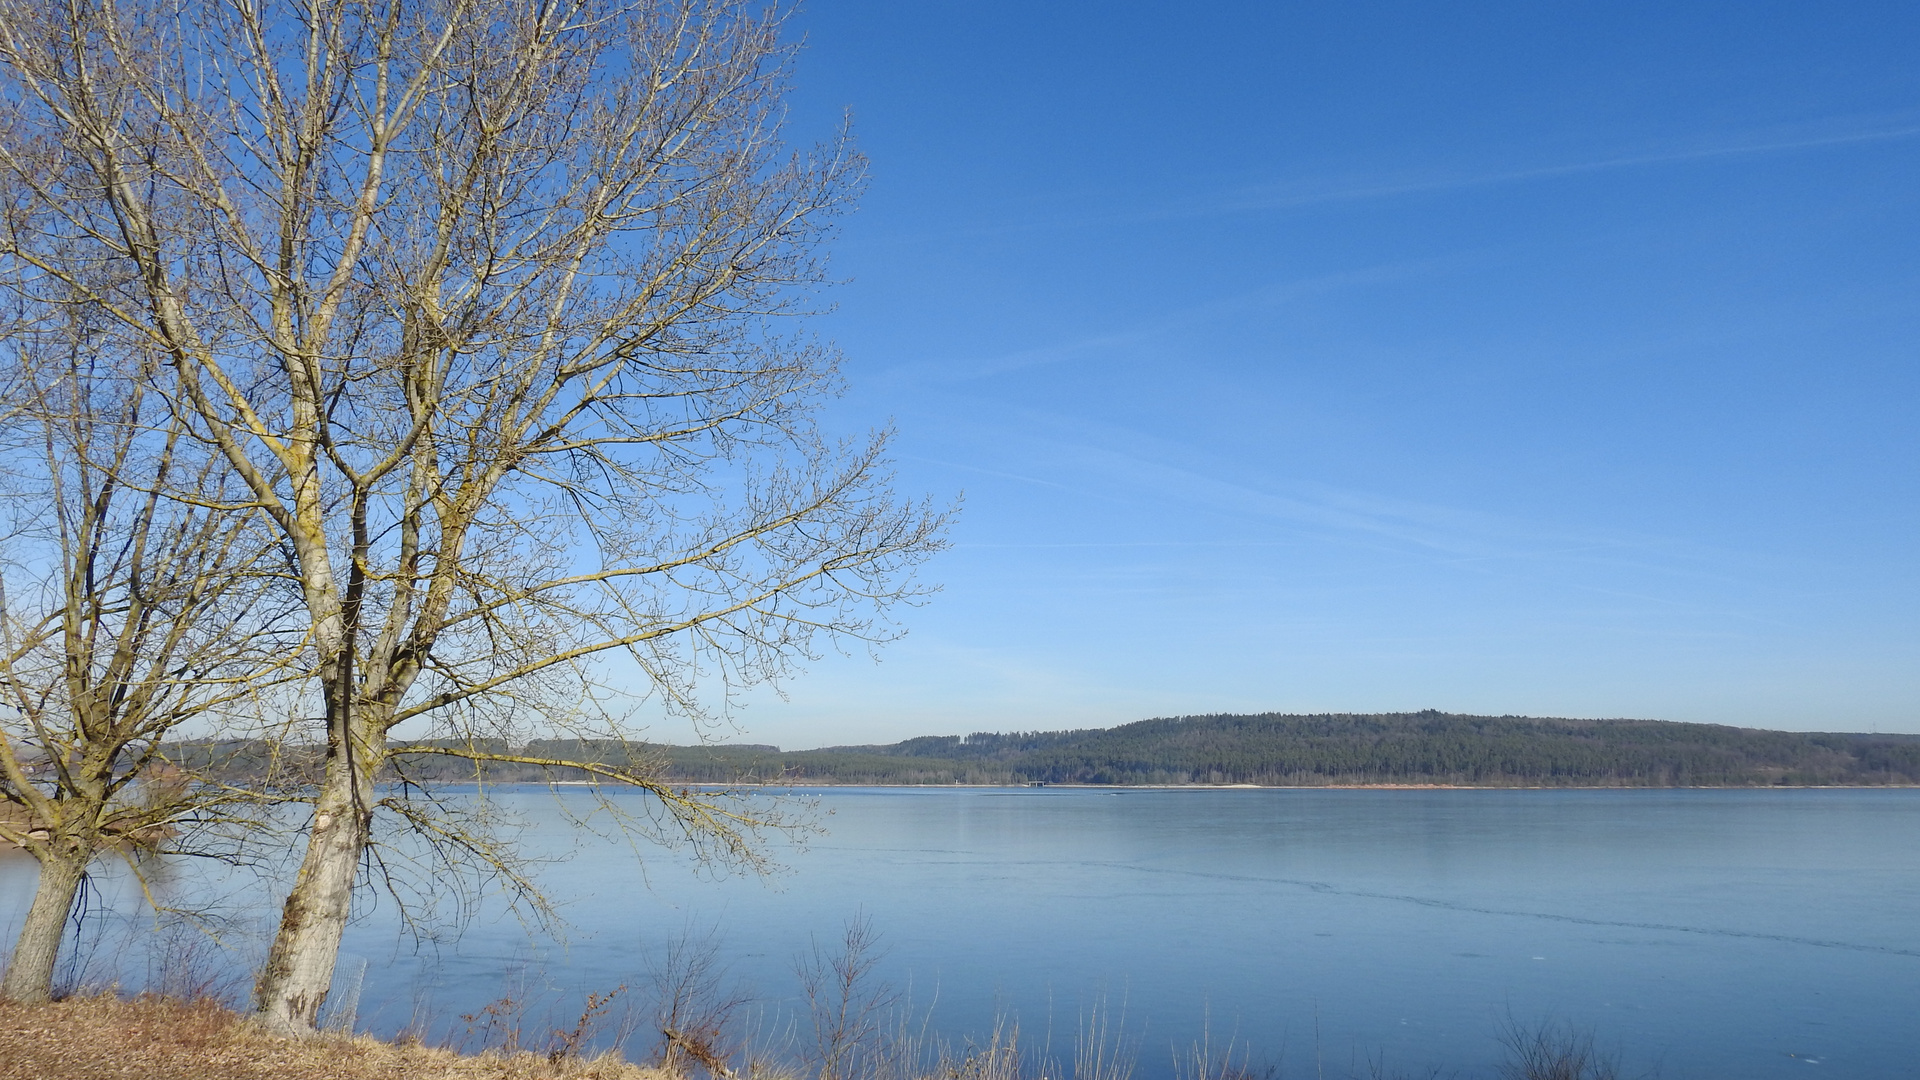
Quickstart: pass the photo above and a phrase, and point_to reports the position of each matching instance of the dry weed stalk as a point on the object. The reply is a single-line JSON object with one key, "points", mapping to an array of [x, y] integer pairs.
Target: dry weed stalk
{"points": [[566, 1045], [1103, 1049], [1206, 1060]]}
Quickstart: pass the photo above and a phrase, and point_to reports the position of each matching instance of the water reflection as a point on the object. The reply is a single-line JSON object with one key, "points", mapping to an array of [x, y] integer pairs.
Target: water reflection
{"points": [[1708, 933]]}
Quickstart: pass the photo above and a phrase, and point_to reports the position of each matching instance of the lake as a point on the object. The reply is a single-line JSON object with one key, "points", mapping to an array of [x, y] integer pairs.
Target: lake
{"points": [[1699, 933]]}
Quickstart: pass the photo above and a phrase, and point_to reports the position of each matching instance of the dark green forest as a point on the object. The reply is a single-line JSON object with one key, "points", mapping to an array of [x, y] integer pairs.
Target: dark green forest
{"points": [[1390, 748], [1268, 749]]}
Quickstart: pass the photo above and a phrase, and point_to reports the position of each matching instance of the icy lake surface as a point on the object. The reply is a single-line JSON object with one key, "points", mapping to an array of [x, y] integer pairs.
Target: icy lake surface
{"points": [[1698, 933]]}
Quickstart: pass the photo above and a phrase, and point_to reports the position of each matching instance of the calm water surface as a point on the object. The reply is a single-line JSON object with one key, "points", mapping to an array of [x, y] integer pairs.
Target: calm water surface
{"points": [[1701, 933]]}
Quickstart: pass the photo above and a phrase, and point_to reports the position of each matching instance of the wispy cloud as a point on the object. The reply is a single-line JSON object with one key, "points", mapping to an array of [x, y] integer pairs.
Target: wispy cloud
{"points": [[1435, 530], [1304, 192], [1268, 295], [1115, 464], [997, 473], [1258, 198], [1277, 197]]}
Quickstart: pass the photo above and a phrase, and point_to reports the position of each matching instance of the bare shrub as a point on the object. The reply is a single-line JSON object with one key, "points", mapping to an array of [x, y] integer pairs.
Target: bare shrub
{"points": [[1550, 1050], [696, 1007], [565, 1044], [500, 1024], [846, 1004], [185, 962]]}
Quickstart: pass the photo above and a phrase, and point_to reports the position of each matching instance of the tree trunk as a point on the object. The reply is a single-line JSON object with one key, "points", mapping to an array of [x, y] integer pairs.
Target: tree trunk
{"points": [[299, 967], [30, 971]]}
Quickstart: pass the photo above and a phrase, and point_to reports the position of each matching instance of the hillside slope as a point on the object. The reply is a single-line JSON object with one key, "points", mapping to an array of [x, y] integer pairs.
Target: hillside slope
{"points": [[1267, 749], [1389, 748]]}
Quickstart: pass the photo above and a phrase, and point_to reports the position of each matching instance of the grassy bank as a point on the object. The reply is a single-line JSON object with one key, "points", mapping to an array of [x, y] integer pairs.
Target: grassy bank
{"points": [[103, 1037], [686, 1018]]}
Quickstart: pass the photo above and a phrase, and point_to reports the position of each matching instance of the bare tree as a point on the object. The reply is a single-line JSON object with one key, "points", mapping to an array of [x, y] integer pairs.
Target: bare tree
{"points": [[134, 618], [696, 1007], [489, 305], [846, 1003]]}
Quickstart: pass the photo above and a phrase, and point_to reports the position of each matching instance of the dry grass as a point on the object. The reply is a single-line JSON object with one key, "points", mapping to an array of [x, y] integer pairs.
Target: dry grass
{"points": [[105, 1038]]}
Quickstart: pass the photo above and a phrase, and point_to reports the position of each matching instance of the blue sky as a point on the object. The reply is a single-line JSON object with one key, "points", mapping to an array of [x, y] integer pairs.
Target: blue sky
{"points": [[1544, 358]]}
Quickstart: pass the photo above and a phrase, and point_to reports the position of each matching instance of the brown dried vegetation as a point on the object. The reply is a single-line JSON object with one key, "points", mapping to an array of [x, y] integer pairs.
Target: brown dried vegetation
{"points": [[106, 1038]]}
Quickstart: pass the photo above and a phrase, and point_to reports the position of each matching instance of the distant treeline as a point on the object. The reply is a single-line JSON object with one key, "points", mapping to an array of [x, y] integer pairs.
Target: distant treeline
{"points": [[1341, 748], [1269, 749]]}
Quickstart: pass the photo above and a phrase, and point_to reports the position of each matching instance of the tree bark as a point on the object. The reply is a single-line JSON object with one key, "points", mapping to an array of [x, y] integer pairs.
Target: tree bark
{"points": [[30, 971], [299, 969]]}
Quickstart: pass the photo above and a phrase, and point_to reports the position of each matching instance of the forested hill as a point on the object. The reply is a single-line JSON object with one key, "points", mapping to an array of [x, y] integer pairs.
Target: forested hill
{"points": [[1390, 748], [1270, 749]]}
